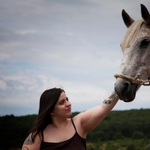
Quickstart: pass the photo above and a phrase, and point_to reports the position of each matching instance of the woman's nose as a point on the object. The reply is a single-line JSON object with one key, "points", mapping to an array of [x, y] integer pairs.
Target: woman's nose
{"points": [[68, 103]]}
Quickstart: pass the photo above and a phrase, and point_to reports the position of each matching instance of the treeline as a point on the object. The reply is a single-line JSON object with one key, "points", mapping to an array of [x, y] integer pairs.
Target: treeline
{"points": [[133, 124], [118, 125], [14, 130]]}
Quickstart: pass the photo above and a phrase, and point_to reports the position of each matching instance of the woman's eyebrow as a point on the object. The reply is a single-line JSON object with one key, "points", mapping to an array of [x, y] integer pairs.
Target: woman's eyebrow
{"points": [[61, 100], [66, 98]]}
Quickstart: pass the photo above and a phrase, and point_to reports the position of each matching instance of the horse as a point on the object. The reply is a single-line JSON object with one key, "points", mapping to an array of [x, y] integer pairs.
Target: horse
{"points": [[134, 69]]}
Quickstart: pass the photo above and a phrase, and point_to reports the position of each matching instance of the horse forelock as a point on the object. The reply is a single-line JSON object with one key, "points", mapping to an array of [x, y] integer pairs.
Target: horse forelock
{"points": [[131, 34]]}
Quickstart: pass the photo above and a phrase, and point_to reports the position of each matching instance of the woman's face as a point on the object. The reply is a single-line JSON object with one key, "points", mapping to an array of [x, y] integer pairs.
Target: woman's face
{"points": [[63, 107]]}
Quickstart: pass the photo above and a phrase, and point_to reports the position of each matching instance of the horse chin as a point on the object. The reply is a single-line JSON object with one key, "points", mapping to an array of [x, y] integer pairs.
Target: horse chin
{"points": [[126, 97], [125, 90]]}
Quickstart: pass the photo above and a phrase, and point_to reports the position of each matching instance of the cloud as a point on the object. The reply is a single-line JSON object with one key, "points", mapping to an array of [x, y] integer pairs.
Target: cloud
{"points": [[25, 91], [3, 85], [4, 57], [23, 32]]}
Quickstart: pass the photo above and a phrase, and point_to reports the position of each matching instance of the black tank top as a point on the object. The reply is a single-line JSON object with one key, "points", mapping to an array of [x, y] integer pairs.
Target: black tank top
{"points": [[74, 143]]}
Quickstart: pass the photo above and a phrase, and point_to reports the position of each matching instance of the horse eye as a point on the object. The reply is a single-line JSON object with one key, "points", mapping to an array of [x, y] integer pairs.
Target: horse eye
{"points": [[145, 43]]}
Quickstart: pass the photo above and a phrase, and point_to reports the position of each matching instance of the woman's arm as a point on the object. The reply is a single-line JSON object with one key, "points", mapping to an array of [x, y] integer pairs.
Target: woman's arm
{"points": [[29, 145], [89, 119]]}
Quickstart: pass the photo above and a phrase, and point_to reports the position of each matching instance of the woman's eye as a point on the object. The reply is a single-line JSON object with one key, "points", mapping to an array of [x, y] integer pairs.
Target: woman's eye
{"points": [[61, 102], [145, 43]]}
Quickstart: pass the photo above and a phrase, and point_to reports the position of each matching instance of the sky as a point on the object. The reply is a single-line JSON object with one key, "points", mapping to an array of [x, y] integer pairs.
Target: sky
{"points": [[69, 44]]}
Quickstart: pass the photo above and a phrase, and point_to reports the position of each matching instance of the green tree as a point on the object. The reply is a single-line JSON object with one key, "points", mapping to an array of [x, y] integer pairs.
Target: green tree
{"points": [[137, 135], [147, 147]]}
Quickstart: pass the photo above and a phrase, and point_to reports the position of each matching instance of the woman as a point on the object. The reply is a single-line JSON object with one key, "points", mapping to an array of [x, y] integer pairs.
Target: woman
{"points": [[54, 130]]}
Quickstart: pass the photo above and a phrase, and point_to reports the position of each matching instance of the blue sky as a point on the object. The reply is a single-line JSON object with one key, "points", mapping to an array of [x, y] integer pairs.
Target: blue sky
{"points": [[70, 44]]}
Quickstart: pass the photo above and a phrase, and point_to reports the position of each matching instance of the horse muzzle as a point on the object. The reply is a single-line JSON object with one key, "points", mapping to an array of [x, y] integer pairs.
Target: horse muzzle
{"points": [[125, 89]]}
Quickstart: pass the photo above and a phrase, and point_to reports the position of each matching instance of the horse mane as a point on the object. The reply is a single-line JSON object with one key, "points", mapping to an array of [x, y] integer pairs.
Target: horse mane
{"points": [[131, 34]]}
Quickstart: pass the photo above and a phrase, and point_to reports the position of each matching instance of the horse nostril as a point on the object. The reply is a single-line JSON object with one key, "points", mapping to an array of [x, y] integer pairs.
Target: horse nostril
{"points": [[126, 85], [125, 89]]}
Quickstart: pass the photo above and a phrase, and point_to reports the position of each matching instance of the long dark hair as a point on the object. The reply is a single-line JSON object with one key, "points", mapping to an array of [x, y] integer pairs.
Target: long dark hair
{"points": [[48, 100]]}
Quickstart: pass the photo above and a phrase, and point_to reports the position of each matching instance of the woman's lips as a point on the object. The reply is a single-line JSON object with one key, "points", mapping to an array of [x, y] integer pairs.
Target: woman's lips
{"points": [[68, 110]]}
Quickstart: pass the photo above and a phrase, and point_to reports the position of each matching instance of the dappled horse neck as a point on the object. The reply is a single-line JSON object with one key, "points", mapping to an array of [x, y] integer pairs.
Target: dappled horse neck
{"points": [[131, 34]]}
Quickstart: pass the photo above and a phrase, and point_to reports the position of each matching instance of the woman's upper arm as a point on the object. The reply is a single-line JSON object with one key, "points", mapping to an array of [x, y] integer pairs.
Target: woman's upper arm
{"points": [[29, 145], [89, 119]]}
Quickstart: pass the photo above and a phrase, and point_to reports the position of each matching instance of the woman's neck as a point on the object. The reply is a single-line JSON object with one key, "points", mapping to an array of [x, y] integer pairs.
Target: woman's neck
{"points": [[59, 123]]}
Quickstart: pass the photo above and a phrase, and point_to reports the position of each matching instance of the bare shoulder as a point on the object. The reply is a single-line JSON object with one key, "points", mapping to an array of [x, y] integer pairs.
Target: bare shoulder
{"points": [[77, 118], [30, 145], [78, 124], [28, 140]]}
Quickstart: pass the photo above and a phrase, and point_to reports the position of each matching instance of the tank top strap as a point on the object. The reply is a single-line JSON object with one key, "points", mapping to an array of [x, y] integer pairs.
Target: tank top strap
{"points": [[73, 124], [42, 136]]}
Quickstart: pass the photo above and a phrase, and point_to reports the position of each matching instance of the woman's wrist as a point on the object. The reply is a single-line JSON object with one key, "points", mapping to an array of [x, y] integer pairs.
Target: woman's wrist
{"points": [[112, 97]]}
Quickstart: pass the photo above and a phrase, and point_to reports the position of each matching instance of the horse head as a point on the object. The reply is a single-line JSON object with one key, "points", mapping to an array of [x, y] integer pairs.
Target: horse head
{"points": [[136, 54]]}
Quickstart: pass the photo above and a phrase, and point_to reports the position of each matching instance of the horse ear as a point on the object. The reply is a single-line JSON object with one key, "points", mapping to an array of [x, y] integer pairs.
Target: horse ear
{"points": [[145, 14], [126, 18]]}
